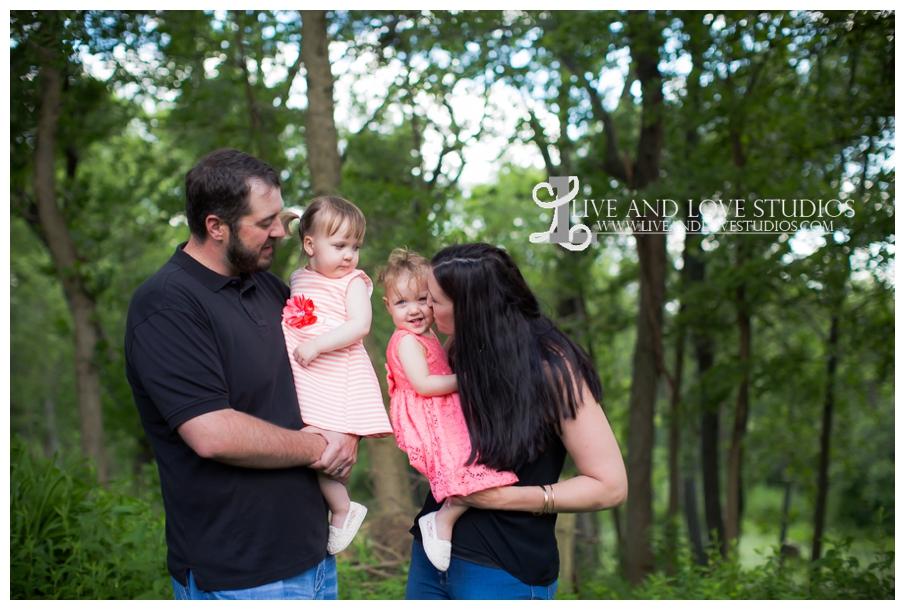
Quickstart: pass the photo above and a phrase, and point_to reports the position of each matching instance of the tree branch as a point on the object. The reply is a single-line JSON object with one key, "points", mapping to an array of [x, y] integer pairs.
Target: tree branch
{"points": [[242, 64], [28, 210], [612, 164], [541, 142]]}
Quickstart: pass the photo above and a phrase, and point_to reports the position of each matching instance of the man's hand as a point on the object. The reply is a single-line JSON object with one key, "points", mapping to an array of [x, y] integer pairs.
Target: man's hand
{"points": [[340, 455], [305, 352]]}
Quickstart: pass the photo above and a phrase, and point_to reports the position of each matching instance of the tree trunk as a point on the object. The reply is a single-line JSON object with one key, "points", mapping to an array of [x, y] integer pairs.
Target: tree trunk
{"points": [[392, 483], [675, 400], [672, 508], [645, 376], [394, 504], [710, 418], [673, 525], [620, 539], [710, 453], [578, 547], [587, 548], [389, 467], [734, 467], [693, 521], [824, 466], [645, 39], [743, 319], [710, 461], [565, 540], [784, 529], [572, 318], [648, 357], [63, 252], [320, 128]]}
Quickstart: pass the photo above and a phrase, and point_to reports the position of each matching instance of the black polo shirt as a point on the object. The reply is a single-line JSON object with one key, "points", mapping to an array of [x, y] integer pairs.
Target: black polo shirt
{"points": [[196, 342]]}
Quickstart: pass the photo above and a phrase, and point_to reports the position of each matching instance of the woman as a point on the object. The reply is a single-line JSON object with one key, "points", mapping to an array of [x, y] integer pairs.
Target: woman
{"points": [[529, 395]]}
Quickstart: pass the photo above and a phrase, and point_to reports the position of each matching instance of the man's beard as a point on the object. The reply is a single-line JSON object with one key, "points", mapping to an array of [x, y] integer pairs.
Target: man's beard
{"points": [[245, 260]]}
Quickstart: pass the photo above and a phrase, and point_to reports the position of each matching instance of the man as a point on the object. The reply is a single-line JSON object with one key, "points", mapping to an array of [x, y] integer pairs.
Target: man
{"points": [[206, 360]]}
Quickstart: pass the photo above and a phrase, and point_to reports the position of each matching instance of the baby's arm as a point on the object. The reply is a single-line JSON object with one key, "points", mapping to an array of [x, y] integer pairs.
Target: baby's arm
{"points": [[414, 363], [356, 326]]}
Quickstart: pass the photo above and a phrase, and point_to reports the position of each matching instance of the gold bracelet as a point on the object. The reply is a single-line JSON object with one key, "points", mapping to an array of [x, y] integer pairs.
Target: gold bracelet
{"points": [[552, 501], [546, 499]]}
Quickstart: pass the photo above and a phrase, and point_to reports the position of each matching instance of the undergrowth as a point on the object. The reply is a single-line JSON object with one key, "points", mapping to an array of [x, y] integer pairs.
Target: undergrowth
{"points": [[71, 538]]}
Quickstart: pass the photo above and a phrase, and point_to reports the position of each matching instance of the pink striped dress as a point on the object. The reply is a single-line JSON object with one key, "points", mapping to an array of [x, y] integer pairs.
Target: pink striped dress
{"points": [[338, 390]]}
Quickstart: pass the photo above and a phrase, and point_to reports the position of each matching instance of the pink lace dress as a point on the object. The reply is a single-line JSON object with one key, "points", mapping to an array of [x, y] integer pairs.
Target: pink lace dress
{"points": [[338, 390], [432, 431]]}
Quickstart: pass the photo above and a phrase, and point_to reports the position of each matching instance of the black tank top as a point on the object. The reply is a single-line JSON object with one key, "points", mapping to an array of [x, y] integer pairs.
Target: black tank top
{"points": [[518, 542]]}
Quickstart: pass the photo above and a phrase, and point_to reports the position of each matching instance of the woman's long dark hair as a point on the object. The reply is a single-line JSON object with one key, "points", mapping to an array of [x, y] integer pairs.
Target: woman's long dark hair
{"points": [[519, 375]]}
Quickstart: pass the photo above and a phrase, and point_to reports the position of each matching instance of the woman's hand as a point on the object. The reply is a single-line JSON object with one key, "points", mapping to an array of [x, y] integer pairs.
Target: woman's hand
{"points": [[488, 498], [500, 498]]}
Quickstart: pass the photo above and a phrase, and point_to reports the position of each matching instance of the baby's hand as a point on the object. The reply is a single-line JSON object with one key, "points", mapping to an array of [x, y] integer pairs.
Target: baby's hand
{"points": [[391, 382], [305, 352]]}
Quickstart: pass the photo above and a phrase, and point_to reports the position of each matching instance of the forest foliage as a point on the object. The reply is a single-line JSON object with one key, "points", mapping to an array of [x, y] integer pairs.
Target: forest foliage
{"points": [[749, 378]]}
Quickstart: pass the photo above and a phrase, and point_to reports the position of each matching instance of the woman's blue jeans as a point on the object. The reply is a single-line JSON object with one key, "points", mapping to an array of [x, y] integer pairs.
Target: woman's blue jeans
{"points": [[466, 580]]}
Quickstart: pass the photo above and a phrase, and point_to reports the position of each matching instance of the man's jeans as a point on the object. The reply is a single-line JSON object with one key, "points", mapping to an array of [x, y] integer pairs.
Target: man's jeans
{"points": [[317, 583]]}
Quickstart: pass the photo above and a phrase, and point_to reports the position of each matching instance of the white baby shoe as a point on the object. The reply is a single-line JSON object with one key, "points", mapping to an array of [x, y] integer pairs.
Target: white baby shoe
{"points": [[339, 538], [438, 551]]}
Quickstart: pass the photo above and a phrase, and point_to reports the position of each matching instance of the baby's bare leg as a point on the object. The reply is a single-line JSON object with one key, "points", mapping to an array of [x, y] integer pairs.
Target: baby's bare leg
{"points": [[447, 517], [337, 499]]}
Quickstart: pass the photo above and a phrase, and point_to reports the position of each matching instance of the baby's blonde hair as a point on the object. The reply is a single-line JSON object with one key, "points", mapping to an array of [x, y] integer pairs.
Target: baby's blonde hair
{"points": [[403, 262], [326, 215]]}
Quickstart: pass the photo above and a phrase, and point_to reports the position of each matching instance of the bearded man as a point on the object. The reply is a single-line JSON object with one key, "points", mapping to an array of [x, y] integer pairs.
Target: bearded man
{"points": [[245, 518]]}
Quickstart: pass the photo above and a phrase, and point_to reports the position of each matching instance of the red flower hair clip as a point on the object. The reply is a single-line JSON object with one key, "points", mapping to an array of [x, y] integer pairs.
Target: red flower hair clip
{"points": [[299, 312]]}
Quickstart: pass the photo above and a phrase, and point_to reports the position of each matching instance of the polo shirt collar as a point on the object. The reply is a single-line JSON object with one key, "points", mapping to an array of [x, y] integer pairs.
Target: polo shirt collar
{"points": [[213, 280]]}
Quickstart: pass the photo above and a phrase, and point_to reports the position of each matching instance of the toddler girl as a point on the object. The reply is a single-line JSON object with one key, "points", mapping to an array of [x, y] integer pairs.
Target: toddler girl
{"points": [[424, 406], [324, 321]]}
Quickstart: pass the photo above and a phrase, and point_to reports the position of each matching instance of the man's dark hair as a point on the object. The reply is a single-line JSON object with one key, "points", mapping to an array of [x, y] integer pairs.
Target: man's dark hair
{"points": [[219, 184]]}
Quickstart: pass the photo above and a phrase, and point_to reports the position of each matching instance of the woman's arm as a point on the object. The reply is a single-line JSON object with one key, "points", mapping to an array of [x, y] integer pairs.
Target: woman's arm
{"points": [[601, 482], [414, 363], [356, 326]]}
